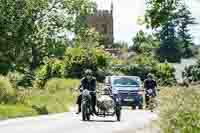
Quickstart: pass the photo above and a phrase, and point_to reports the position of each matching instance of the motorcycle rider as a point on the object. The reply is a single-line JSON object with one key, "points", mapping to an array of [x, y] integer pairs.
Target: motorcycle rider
{"points": [[150, 83], [87, 82]]}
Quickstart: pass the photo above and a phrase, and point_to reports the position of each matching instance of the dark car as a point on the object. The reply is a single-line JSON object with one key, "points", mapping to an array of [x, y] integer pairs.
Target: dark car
{"points": [[129, 88]]}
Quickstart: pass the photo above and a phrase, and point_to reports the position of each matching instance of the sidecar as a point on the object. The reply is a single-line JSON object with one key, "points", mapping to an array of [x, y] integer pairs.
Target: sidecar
{"points": [[108, 105]]}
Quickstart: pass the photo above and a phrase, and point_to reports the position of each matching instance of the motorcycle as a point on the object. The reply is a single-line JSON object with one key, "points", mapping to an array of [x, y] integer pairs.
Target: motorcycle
{"points": [[107, 105], [151, 102], [86, 104]]}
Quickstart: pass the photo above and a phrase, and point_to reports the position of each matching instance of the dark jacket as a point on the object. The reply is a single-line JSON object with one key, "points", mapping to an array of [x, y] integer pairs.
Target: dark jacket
{"points": [[86, 84], [150, 84]]}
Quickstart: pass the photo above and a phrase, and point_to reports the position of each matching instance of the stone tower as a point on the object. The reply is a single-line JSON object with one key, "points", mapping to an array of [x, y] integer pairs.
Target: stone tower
{"points": [[102, 21]]}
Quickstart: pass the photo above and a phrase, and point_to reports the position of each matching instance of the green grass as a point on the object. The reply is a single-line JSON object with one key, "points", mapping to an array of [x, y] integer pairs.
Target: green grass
{"points": [[57, 96], [57, 102], [13, 111], [179, 110]]}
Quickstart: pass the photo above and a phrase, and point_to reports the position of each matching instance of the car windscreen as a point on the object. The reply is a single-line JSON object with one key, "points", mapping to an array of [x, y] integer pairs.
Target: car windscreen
{"points": [[124, 81]]}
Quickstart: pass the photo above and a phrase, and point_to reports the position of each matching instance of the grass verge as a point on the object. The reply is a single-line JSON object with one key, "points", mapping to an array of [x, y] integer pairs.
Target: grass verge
{"points": [[57, 96], [179, 110]]}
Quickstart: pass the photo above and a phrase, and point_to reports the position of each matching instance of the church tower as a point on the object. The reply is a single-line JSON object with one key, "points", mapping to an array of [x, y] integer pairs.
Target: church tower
{"points": [[112, 8], [102, 21]]}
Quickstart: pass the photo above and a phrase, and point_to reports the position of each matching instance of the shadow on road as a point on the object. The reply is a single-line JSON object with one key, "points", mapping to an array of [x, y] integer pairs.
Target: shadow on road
{"points": [[102, 121]]}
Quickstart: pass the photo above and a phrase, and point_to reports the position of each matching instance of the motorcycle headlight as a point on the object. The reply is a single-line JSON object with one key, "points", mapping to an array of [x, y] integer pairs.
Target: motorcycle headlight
{"points": [[85, 92]]}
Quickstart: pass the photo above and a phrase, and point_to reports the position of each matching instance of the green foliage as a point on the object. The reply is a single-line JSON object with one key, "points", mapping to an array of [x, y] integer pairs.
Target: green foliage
{"points": [[179, 110], [56, 84], [144, 43], [7, 92], [158, 12], [141, 65], [136, 70], [185, 19], [45, 102], [32, 30], [57, 96], [88, 38], [15, 78], [193, 72], [53, 68], [170, 20], [14, 111], [120, 45], [4, 67], [169, 49], [78, 59], [165, 74], [27, 79]]}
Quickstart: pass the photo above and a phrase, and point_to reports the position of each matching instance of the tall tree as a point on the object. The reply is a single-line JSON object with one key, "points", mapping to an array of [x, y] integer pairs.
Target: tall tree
{"points": [[169, 48], [33, 29], [164, 17], [158, 12], [185, 19]]}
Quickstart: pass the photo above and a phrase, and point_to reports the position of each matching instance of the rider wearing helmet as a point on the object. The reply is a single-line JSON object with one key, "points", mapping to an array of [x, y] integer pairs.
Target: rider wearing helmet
{"points": [[150, 83], [88, 82]]}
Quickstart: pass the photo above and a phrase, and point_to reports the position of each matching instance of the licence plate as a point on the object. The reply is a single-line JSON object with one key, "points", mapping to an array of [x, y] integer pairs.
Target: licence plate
{"points": [[128, 100]]}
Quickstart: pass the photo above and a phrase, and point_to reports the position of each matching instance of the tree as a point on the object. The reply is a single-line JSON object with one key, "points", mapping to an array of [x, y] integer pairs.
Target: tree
{"points": [[185, 19], [31, 30], [159, 12], [144, 42], [164, 17], [169, 48]]}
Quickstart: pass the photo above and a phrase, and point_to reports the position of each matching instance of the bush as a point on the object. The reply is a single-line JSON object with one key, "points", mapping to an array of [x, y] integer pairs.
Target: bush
{"points": [[180, 110], [7, 92], [192, 72], [4, 67], [27, 79], [164, 72], [169, 54], [15, 78], [77, 60], [189, 52], [57, 84], [52, 68], [136, 70], [143, 64]]}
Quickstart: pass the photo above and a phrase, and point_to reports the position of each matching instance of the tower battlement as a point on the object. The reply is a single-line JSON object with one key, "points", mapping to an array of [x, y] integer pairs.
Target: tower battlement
{"points": [[102, 22], [103, 13]]}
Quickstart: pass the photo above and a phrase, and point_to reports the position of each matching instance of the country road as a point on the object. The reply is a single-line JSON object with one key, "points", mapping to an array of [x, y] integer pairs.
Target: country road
{"points": [[71, 123]]}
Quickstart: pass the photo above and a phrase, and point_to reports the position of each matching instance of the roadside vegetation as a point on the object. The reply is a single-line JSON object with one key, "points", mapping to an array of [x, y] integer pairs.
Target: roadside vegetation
{"points": [[55, 97], [179, 110]]}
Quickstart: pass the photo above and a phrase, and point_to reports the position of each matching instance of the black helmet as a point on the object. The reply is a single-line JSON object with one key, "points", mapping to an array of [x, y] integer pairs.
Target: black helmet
{"points": [[88, 72], [150, 75]]}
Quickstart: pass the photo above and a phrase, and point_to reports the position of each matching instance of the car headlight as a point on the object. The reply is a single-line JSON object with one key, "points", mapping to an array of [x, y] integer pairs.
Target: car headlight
{"points": [[115, 91]]}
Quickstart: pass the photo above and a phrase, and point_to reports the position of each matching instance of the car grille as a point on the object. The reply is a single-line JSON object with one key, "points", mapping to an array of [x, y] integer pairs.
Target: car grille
{"points": [[127, 93]]}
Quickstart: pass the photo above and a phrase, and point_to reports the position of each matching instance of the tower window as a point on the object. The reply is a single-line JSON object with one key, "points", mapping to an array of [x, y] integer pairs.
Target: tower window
{"points": [[105, 30]]}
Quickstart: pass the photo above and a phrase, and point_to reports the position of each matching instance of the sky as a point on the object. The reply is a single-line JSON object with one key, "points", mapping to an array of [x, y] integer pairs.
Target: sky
{"points": [[126, 13]]}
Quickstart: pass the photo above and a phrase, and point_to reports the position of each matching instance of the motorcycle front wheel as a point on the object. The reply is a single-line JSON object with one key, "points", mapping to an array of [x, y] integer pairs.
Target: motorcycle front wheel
{"points": [[118, 112], [85, 112]]}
